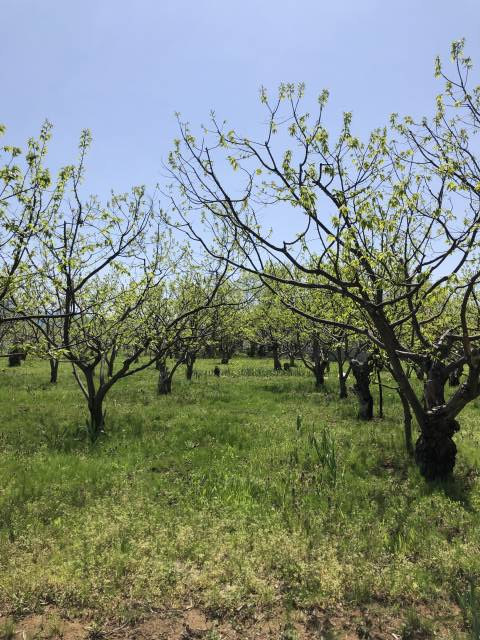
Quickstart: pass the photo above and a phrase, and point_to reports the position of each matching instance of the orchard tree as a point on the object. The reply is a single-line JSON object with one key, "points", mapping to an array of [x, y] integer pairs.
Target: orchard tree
{"points": [[29, 199], [45, 325], [227, 322], [318, 342], [102, 263], [391, 220], [183, 318], [15, 336], [272, 324], [314, 349], [93, 270]]}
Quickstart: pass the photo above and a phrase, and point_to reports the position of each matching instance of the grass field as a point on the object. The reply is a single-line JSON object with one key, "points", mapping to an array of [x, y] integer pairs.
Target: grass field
{"points": [[246, 495]]}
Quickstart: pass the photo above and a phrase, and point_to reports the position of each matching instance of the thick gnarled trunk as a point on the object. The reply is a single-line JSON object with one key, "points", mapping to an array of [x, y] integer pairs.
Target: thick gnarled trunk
{"points": [[361, 372], [16, 356], [380, 394], [435, 450], [320, 364], [319, 372]]}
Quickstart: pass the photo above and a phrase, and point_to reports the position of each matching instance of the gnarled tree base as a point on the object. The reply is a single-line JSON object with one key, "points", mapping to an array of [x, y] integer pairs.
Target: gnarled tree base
{"points": [[164, 386], [361, 372], [435, 451], [14, 360]]}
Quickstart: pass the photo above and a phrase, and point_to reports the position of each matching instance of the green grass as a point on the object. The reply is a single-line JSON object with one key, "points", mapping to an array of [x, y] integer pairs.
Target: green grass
{"points": [[219, 496]]}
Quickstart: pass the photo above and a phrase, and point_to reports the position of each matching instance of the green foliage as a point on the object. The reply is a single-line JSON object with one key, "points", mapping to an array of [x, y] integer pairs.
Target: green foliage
{"points": [[29, 202], [7, 630], [95, 632], [469, 602], [417, 627], [289, 633], [316, 455]]}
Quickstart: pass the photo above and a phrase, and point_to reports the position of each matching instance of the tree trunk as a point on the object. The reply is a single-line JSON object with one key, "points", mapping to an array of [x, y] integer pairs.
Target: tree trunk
{"points": [[407, 423], [277, 365], [164, 386], [190, 361], [435, 450], [209, 351], [111, 362], [342, 383], [226, 352], [101, 376], [95, 405], [15, 357], [97, 416], [343, 386], [380, 394], [252, 350], [454, 377], [319, 372], [292, 361], [53, 370], [361, 372], [419, 373], [434, 386], [319, 364]]}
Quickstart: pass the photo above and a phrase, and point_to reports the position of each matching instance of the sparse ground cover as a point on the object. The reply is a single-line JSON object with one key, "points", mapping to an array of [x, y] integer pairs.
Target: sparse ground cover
{"points": [[248, 498]]}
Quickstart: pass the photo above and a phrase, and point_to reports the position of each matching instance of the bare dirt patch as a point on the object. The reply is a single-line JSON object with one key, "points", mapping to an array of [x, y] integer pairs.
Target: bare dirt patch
{"points": [[372, 623]]}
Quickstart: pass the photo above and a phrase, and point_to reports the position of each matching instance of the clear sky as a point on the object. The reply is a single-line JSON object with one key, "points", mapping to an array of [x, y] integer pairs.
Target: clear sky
{"points": [[123, 67]]}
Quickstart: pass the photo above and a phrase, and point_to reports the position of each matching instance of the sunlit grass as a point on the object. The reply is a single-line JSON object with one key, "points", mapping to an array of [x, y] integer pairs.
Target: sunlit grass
{"points": [[220, 496]]}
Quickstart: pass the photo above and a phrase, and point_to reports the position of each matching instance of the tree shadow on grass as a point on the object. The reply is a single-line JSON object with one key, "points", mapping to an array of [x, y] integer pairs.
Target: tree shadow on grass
{"points": [[458, 487]]}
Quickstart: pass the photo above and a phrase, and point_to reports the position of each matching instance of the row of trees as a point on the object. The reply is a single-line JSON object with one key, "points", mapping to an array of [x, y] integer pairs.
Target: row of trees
{"points": [[380, 252], [104, 287], [219, 321], [387, 228]]}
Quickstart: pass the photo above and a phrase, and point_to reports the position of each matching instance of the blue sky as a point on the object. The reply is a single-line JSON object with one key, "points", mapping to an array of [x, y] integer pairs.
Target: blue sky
{"points": [[122, 68]]}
